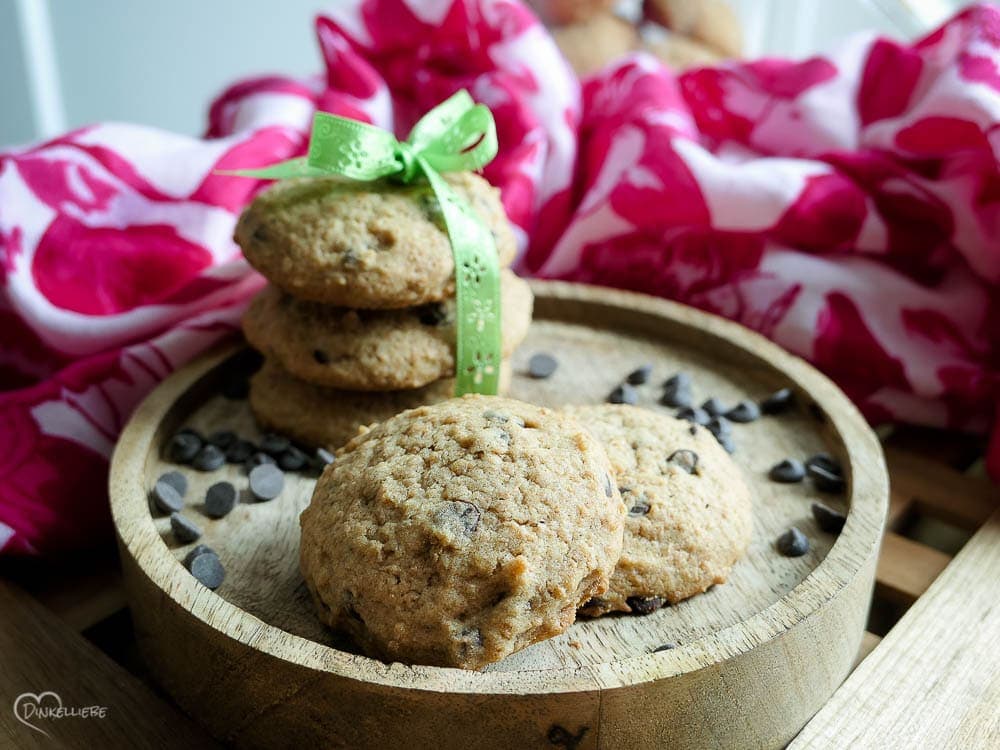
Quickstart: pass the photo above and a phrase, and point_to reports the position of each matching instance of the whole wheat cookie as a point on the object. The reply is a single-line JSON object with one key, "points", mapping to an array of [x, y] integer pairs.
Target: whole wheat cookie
{"points": [[329, 417], [372, 350], [459, 533], [360, 244], [689, 508]]}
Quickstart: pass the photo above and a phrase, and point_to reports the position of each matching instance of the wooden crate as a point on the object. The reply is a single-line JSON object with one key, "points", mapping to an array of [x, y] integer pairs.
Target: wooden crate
{"points": [[928, 673]]}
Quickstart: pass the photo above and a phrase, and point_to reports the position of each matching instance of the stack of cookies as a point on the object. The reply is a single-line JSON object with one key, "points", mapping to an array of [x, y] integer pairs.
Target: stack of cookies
{"points": [[358, 322]]}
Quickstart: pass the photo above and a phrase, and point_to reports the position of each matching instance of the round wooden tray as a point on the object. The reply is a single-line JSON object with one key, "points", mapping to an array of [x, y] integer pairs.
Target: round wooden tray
{"points": [[756, 657]]}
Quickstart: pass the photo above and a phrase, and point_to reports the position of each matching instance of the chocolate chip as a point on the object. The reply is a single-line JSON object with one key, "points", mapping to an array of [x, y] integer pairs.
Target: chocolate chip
{"points": [[693, 430], [198, 549], [184, 446], [677, 393], [640, 375], [322, 458], [645, 605], [207, 569], [787, 471], [792, 543], [664, 647], [778, 402], [593, 602], [743, 412], [460, 516], [321, 357], [166, 497], [184, 529], [209, 458], [240, 451], [176, 480], [220, 499], [824, 480], [432, 315], [720, 427], [639, 506], [714, 407], [542, 365], [292, 459], [726, 441], [222, 438], [609, 488], [623, 394], [693, 414], [679, 380], [266, 481], [274, 444], [258, 459], [824, 461], [685, 459], [639, 509], [828, 519]]}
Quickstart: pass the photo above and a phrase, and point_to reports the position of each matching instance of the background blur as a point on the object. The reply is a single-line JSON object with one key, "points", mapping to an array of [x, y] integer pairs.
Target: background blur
{"points": [[66, 63]]}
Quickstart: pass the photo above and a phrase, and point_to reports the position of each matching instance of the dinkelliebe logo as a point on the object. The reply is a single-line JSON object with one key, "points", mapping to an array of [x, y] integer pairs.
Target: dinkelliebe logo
{"points": [[30, 708]]}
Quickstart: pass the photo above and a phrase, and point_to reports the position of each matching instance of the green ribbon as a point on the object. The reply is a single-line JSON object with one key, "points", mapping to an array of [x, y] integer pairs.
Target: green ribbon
{"points": [[457, 135]]}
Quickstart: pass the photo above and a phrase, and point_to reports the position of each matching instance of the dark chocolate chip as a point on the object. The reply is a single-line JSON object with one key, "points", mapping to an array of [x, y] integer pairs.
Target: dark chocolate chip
{"points": [[743, 412], [432, 315], [640, 506], [208, 570], [209, 458], [677, 391], [720, 426], [176, 480], [460, 516], [198, 549], [825, 461], [542, 365], [623, 394], [825, 473], [609, 488], [684, 458], [680, 380], [726, 441], [664, 647], [714, 407], [240, 451], [787, 471], [184, 446], [266, 481], [220, 499], [792, 543], [292, 459], [222, 439], [645, 605], [258, 459], [184, 529], [693, 430], [778, 402], [321, 357], [166, 497], [274, 444], [640, 375], [828, 519], [693, 414]]}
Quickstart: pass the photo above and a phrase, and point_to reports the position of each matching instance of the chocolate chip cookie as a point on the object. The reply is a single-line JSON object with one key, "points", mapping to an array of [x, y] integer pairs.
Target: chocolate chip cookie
{"points": [[689, 508], [365, 245], [459, 533]]}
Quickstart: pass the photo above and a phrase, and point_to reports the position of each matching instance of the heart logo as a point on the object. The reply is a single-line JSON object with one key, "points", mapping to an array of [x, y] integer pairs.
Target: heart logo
{"points": [[27, 706]]}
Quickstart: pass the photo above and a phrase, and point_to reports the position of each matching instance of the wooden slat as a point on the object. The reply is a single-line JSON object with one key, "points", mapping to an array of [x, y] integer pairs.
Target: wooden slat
{"points": [[933, 681], [906, 569], [40, 653]]}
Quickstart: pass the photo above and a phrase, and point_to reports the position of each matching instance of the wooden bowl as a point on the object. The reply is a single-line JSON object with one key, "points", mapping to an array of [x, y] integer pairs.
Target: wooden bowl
{"points": [[755, 657]]}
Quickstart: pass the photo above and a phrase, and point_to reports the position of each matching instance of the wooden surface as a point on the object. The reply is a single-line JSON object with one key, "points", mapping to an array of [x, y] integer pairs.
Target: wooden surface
{"points": [[934, 681], [757, 656]]}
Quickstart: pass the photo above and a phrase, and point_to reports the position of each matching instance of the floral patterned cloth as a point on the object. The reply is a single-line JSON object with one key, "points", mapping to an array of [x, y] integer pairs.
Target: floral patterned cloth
{"points": [[846, 206]]}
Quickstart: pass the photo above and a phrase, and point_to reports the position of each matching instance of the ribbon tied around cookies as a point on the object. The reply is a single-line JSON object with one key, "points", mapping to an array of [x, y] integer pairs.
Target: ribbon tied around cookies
{"points": [[456, 135]]}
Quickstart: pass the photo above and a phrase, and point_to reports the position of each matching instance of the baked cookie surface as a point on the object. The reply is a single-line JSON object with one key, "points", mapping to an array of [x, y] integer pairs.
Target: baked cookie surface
{"points": [[372, 350], [459, 533], [363, 245], [689, 508]]}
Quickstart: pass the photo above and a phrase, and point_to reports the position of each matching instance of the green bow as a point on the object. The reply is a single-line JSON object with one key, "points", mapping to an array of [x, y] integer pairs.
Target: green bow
{"points": [[457, 135]]}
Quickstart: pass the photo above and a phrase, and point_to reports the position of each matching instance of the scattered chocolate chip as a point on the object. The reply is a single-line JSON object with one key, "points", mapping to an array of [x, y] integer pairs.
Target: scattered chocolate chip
{"points": [[609, 488], [792, 543], [778, 402], [679, 380], [176, 480], [787, 471], [292, 459], [240, 451], [321, 357], [198, 549], [220, 499], [184, 446], [542, 365], [664, 647], [639, 509], [209, 458], [322, 458], [684, 458], [274, 445], [693, 414], [645, 605], [726, 441], [743, 412], [266, 481], [459, 516], [693, 430], [639, 376], [714, 407], [166, 497], [720, 427], [828, 519], [824, 479], [222, 439], [824, 461], [432, 315], [639, 506], [207, 569], [258, 459], [184, 529], [623, 394]]}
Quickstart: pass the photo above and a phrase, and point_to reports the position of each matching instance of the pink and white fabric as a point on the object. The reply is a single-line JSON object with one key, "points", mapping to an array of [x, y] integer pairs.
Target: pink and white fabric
{"points": [[846, 206]]}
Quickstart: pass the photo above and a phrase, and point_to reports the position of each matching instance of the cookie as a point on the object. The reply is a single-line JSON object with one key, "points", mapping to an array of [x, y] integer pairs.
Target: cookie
{"points": [[591, 44], [712, 23], [327, 417], [363, 244], [689, 508], [569, 11], [459, 533], [372, 350]]}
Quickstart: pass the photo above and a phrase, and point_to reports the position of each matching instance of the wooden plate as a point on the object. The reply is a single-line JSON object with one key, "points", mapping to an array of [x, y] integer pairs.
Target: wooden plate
{"points": [[756, 657]]}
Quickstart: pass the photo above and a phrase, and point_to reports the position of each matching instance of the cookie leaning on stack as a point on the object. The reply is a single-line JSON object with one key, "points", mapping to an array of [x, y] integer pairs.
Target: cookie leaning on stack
{"points": [[359, 319]]}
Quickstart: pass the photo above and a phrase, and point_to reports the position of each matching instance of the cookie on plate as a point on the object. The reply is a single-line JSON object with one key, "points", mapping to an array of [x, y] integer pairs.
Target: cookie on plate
{"points": [[689, 507], [459, 533], [358, 244], [372, 350]]}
